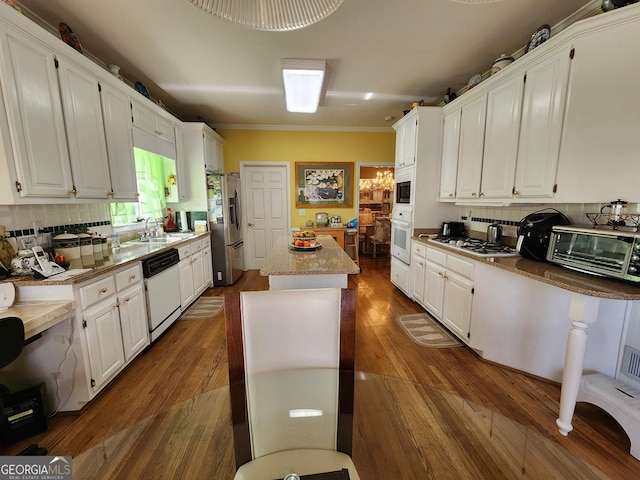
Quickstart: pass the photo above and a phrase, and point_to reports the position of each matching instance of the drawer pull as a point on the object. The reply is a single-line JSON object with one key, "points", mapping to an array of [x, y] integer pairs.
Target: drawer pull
{"points": [[132, 277], [103, 290]]}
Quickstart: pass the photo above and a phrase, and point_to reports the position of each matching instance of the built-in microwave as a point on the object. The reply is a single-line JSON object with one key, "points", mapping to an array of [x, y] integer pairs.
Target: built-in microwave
{"points": [[600, 250], [403, 192]]}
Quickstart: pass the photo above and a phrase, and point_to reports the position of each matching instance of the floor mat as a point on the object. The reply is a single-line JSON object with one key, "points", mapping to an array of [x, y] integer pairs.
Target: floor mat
{"points": [[203, 308], [426, 331]]}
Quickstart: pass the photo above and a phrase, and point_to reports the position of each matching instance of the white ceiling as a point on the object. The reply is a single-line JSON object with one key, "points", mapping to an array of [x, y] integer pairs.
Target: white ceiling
{"points": [[399, 50]]}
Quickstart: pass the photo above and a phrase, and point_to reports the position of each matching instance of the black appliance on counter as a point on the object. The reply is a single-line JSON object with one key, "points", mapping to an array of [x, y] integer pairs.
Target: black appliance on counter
{"points": [[534, 232], [452, 229]]}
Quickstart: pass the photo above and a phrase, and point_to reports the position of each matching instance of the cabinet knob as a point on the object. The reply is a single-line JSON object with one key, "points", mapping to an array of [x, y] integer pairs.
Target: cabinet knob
{"points": [[446, 276], [441, 274], [110, 194], [481, 194], [515, 192], [250, 224], [158, 132], [132, 277], [103, 290], [127, 299], [451, 195], [73, 192], [473, 194]]}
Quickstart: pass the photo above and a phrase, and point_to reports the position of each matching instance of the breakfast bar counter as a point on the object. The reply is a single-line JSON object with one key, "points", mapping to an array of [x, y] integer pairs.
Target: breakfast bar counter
{"points": [[328, 266]]}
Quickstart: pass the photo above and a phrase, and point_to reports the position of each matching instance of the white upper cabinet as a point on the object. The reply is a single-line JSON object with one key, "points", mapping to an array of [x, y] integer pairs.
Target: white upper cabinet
{"points": [[450, 146], [472, 122], [116, 113], [600, 150], [406, 138], [150, 121], [501, 139], [213, 151], [34, 116], [85, 131], [545, 95]]}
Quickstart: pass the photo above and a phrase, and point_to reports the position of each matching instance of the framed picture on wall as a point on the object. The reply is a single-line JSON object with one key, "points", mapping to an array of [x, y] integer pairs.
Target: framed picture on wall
{"points": [[324, 184]]}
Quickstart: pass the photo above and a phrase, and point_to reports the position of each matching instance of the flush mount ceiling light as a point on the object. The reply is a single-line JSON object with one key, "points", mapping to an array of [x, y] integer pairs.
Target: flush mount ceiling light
{"points": [[270, 15], [302, 83]]}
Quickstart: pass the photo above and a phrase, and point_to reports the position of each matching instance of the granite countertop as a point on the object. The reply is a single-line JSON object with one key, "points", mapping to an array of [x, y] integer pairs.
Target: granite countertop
{"points": [[129, 252], [38, 316], [555, 275], [330, 259]]}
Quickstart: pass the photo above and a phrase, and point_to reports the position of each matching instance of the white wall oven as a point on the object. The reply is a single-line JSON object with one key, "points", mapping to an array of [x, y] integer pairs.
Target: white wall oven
{"points": [[401, 230]]}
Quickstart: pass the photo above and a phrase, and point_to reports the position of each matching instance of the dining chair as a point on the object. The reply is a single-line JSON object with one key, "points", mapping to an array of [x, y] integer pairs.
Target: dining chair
{"points": [[291, 352], [381, 234]]}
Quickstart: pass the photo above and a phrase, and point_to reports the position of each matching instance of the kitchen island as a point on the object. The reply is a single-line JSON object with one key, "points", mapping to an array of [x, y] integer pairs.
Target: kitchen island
{"points": [[328, 266]]}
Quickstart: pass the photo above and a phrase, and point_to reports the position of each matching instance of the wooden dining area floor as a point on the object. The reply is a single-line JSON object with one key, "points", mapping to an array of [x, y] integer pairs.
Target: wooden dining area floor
{"points": [[190, 361]]}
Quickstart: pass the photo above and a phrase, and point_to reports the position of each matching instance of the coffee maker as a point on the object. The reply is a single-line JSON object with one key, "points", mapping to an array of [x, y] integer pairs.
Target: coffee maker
{"points": [[534, 232]]}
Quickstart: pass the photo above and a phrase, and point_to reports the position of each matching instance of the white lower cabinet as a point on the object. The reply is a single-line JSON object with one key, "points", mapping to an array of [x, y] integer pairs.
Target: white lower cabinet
{"points": [[195, 273], [443, 285], [113, 330], [401, 275]]}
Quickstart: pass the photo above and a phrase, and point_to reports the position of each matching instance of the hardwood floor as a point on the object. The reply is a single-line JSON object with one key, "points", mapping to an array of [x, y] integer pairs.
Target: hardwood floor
{"points": [[189, 363]]}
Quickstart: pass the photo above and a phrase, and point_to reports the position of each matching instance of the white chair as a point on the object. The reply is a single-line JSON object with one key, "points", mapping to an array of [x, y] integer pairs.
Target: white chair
{"points": [[291, 379]]}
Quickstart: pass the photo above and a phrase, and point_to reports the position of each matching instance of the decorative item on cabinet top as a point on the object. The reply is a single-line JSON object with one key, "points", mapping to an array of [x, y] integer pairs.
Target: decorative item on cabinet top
{"points": [[474, 80], [501, 62], [538, 37], [14, 5], [69, 37]]}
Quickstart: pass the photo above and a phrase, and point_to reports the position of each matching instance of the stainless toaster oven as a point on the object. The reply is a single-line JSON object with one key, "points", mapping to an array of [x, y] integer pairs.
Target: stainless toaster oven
{"points": [[600, 250]]}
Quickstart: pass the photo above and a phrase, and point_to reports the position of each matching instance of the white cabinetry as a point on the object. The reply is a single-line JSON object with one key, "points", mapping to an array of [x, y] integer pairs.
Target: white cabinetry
{"points": [[450, 147], [150, 121], [406, 138], [510, 131], [600, 138], [85, 131], [62, 136], [445, 288], [472, 121], [401, 275], [202, 152], [34, 116], [195, 270], [116, 113], [114, 322]]}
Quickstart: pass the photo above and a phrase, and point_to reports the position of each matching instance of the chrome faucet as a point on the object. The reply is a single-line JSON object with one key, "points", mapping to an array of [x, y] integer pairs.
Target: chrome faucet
{"points": [[148, 233]]}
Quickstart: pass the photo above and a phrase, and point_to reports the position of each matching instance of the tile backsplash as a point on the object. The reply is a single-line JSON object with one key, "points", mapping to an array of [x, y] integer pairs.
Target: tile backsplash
{"points": [[42, 220], [477, 218]]}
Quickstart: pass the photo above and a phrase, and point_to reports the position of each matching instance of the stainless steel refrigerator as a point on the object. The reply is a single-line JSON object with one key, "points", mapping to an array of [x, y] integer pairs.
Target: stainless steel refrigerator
{"points": [[223, 210]]}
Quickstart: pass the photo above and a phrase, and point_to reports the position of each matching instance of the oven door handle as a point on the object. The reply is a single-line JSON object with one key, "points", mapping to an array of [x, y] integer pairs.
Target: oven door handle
{"points": [[401, 223]]}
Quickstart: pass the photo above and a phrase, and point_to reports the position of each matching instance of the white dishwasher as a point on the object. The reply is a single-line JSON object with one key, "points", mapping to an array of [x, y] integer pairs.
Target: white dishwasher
{"points": [[162, 285]]}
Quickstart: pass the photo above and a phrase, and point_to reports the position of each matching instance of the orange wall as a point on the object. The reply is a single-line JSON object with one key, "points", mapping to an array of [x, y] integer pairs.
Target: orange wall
{"points": [[304, 146]]}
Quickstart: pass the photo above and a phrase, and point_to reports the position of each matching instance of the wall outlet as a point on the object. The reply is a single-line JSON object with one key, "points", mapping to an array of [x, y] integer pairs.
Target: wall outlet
{"points": [[302, 212]]}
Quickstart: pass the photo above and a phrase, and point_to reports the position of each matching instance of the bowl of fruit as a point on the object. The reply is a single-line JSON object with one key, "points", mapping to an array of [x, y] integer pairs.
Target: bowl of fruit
{"points": [[304, 240]]}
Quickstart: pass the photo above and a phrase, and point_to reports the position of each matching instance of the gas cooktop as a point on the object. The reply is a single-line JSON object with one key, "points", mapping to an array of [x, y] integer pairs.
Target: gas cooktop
{"points": [[477, 247]]}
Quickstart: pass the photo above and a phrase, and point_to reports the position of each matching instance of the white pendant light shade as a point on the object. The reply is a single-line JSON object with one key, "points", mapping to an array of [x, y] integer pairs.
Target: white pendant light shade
{"points": [[271, 15], [303, 81]]}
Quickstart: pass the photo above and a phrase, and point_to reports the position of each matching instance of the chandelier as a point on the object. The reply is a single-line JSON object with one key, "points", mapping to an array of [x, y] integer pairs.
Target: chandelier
{"points": [[382, 181], [270, 15]]}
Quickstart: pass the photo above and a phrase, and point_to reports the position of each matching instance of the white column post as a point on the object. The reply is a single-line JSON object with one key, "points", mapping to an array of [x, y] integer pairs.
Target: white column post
{"points": [[583, 310]]}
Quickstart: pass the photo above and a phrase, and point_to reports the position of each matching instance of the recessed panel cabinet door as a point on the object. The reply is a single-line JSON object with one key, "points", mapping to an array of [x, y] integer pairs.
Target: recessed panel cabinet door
{"points": [[85, 132], [116, 113], [34, 113], [450, 146], [543, 106], [471, 146], [104, 342], [133, 321]]}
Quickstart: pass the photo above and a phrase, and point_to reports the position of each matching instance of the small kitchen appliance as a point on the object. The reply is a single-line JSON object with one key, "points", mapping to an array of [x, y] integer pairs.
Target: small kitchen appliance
{"points": [[600, 250], [534, 232], [616, 211], [452, 229], [322, 219], [494, 233]]}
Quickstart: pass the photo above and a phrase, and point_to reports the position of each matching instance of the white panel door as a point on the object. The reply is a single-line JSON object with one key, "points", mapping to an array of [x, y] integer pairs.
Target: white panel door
{"points": [[457, 305], [450, 147], [133, 321], [266, 202]]}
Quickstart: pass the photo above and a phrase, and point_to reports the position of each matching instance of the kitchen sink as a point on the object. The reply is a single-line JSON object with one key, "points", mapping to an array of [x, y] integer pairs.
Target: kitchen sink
{"points": [[170, 238]]}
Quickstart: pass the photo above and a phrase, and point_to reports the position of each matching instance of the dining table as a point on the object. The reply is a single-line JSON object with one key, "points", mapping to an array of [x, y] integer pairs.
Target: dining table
{"points": [[401, 430]]}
